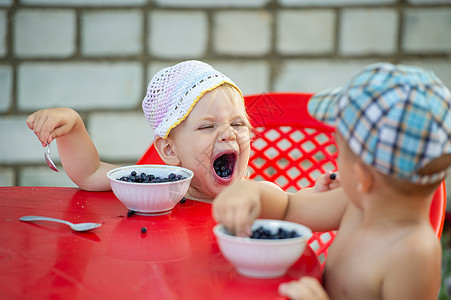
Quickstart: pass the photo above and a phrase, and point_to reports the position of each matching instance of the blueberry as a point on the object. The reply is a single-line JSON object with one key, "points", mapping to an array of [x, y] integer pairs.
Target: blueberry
{"points": [[143, 229], [262, 233], [144, 178]]}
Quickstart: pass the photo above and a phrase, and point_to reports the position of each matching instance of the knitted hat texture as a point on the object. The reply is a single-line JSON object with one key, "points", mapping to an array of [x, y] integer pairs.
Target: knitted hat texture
{"points": [[173, 92]]}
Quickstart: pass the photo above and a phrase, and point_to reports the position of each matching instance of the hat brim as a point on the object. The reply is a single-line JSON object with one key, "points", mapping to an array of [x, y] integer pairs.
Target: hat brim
{"points": [[323, 105]]}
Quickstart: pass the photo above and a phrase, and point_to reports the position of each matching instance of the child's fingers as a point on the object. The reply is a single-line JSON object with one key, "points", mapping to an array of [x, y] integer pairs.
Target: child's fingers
{"points": [[243, 221], [30, 121], [323, 181], [295, 290], [233, 221], [305, 288], [233, 218], [53, 129], [35, 122], [336, 182]]}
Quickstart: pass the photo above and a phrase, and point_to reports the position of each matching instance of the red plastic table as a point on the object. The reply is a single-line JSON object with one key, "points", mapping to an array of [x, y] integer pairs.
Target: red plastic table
{"points": [[178, 257]]}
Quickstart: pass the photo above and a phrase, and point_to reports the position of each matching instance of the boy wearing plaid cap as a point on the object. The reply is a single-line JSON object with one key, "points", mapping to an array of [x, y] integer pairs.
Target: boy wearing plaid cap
{"points": [[393, 128], [199, 122]]}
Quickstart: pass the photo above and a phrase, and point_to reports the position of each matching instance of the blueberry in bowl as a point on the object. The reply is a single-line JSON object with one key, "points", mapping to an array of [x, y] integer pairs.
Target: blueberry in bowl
{"points": [[150, 189], [269, 252]]}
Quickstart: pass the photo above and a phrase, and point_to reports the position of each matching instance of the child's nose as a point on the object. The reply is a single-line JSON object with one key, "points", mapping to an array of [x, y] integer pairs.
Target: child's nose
{"points": [[227, 133]]}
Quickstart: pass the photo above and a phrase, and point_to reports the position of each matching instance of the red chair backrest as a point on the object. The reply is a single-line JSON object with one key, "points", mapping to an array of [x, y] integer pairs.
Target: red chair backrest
{"points": [[289, 147]]}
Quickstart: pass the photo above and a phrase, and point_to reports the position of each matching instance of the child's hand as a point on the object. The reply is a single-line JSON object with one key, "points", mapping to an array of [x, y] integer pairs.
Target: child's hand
{"points": [[328, 181], [49, 124], [305, 288], [237, 207]]}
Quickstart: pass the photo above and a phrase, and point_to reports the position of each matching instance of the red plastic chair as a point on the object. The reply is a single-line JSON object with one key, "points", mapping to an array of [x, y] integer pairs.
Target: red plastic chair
{"points": [[292, 149]]}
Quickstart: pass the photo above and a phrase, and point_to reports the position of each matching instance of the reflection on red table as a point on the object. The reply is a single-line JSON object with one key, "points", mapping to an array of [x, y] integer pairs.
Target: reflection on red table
{"points": [[178, 257]]}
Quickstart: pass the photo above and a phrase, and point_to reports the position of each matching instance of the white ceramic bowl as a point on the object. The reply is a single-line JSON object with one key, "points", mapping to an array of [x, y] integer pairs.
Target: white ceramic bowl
{"points": [[263, 258], [150, 198]]}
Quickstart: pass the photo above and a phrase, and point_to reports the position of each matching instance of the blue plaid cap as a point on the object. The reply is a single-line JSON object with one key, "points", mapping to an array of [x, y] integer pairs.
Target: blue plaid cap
{"points": [[395, 118]]}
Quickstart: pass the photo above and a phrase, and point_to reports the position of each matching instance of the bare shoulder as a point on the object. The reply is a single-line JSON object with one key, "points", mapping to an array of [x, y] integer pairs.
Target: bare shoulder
{"points": [[421, 242]]}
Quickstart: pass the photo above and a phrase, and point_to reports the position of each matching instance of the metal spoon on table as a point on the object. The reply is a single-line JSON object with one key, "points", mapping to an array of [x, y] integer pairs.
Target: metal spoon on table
{"points": [[48, 160], [75, 227]]}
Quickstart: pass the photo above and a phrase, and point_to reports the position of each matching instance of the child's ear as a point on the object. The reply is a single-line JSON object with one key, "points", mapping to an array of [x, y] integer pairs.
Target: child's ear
{"points": [[167, 151], [365, 179]]}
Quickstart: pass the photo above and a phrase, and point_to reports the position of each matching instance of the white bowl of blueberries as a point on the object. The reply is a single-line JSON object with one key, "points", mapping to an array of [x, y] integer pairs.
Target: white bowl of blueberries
{"points": [[150, 189], [269, 252]]}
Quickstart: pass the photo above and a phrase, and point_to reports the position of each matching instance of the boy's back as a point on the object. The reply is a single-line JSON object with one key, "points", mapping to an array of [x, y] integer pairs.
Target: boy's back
{"points": [[382, 259]]}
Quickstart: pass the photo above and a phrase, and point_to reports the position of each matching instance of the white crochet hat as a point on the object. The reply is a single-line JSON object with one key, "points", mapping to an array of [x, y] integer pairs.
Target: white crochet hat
{"points": [[173, 92]]}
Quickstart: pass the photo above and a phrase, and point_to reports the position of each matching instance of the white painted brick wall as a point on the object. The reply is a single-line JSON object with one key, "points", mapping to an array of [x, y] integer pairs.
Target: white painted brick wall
{"points": [[368, 31], [6, 3], [43, 176], [427, 30], [6, 176], [212, 3], [441, 68], [5, 87], [111, 33], [44, 33], [305, 31], [124, 136], [84, 2], [171, 37], [334, 2], [430, 2], [3, 23], [19, 144], [242, 33], [79, 85], [314, 75], [251, 77]]}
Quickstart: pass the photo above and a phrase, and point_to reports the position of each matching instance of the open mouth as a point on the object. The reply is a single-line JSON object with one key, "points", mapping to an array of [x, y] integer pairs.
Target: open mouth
{"points": [[224, 165]]}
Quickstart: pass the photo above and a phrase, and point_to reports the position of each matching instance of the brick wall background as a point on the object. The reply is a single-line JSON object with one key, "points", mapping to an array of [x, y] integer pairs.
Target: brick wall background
{"points": [[97, 57]]}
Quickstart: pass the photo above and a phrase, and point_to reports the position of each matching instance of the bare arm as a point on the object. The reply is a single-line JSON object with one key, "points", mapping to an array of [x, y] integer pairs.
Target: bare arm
{"points": [[240, 204], [319, 211], [77, 152]]}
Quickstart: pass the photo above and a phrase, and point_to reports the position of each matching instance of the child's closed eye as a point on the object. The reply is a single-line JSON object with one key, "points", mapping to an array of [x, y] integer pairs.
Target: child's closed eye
{"points": [[206, 126], [238, 124]]}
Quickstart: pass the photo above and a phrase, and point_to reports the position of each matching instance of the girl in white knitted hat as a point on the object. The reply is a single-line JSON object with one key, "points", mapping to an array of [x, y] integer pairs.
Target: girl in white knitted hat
{"points": [[199, 122]]}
